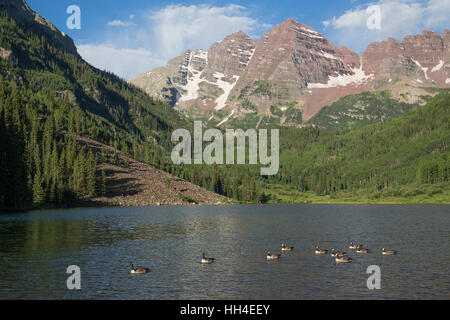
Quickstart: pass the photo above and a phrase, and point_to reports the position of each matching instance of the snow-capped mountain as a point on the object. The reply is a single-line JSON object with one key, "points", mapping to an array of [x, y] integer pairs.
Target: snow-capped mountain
{"points": [[292, 72]]}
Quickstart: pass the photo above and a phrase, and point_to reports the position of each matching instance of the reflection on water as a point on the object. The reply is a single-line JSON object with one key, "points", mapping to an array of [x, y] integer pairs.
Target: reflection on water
{"points": [[36, 248]]}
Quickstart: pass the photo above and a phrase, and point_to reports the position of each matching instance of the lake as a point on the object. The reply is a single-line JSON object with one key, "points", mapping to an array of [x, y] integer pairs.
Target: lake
{"points": [[37, 247]]}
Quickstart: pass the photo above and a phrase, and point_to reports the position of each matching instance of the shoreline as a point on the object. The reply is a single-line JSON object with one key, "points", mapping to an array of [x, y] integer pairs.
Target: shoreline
{"points": [[111, 206]]}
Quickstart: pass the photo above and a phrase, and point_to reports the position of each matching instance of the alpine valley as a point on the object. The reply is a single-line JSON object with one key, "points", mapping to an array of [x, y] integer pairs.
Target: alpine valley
{"points": [[369, 129]]}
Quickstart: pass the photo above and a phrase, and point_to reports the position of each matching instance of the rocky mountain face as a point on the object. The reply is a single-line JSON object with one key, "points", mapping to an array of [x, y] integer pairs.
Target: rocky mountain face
{"points": [[25, 16], [291, 73], [423, 58], [199, 80]]}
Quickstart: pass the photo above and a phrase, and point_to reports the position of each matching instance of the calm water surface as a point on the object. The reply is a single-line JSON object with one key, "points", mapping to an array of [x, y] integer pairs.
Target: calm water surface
{"points": [[37, 247]]}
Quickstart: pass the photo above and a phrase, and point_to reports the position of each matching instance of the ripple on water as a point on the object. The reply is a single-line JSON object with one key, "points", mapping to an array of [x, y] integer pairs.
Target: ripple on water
{"points": [[36, 248]]}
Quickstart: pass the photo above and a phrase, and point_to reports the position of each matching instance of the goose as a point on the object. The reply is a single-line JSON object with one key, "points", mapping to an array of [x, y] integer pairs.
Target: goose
{"points": [[272, 256], [389, 252], [355, 246], [344, 259], [286, 248], [138, 270], [206, 260], [321, 251], [337, 253], [362, 250]]}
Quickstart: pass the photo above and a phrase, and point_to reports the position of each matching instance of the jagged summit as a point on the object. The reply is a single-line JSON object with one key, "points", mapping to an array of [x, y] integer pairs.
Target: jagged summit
{"points": [[239, 33], [203, 79], [20, 11], [423, 58], [292, 72]]}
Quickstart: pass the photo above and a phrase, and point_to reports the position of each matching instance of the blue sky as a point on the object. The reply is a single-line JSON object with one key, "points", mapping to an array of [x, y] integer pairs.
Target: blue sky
{"points": [[134, 36]]}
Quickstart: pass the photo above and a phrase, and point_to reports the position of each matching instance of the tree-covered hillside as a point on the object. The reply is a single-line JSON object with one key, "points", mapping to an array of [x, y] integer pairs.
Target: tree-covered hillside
{"points": [[362, 109], [47, 93], [400, 157], [404, 159]]}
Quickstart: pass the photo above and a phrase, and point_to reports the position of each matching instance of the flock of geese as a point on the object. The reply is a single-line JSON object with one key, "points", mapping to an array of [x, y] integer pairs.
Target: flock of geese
{"points": [[340, 256]]}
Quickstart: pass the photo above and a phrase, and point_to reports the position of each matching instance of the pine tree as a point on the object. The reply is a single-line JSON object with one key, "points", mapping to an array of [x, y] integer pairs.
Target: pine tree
{"points": [[102, 184], [38, 190], [91, 176]]}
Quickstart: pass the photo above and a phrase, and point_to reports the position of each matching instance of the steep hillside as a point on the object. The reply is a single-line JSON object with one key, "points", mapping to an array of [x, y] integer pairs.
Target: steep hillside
{"points": [[48, 94], [130, 183], [41, 63]]}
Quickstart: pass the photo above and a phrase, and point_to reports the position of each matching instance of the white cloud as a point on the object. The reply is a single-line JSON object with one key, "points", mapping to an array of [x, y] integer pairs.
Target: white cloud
{"points": [[398, 19], [119, 23], [123, 62], [166, 33], [437, 13], [180, 27]]}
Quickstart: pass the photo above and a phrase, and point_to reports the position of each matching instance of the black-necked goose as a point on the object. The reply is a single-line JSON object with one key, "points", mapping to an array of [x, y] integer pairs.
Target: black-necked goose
{"points": [[355, 246], [389, 252], [321, 251], [362, 250], [344, 259], [138, 270], [286, 248], [206, 260], [335, 253], [273, 256]]}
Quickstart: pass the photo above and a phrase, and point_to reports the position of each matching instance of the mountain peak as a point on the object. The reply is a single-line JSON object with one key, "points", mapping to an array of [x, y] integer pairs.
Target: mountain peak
{"points": [[240, 33], [236, 36], [293, 65], [16, 9], [290, 21], [27, 18]]}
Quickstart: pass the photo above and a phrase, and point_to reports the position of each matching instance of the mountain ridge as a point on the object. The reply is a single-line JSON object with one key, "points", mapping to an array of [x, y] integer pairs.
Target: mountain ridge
{"points": [[295, 67], [21, 12]]}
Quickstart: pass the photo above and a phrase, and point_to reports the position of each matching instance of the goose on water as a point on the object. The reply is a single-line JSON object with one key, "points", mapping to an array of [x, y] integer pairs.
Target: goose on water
{"points": [[355, 246], [206, 260], [138, 270], [389, 252], [321, 251], [343, 259], [286, 248], [273, 256], [335, 253]]}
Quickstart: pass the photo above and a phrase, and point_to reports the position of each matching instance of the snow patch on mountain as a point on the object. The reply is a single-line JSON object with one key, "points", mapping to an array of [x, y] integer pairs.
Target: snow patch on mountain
{"points": [[328, 55], [425, 70], [357, 78], [226, 119], [193, 84], [226, 87], [438, 67]]}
